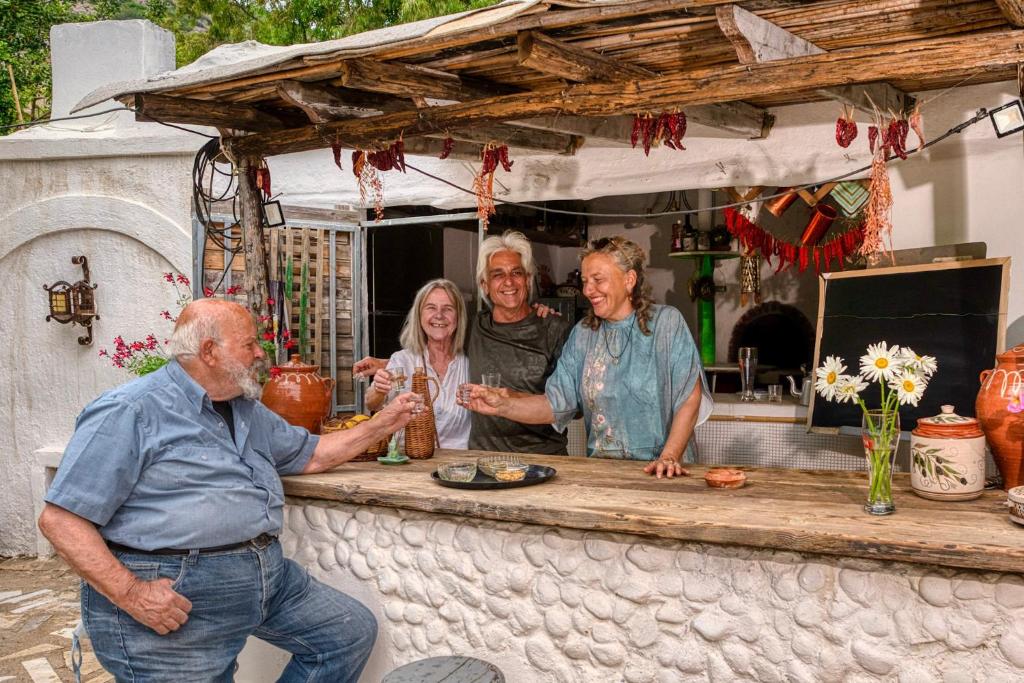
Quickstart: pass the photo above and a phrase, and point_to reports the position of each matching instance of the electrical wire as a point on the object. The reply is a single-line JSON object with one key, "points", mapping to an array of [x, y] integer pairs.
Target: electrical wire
{"points": [[980, 115]]}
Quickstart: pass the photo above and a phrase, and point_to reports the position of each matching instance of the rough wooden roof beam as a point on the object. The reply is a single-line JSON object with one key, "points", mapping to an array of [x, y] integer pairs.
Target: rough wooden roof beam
{"points": [[758, 41], [407, 80], [992, 52], [1013, 10], [547, 55], [564, 60], [151, 107], [320, 103], [536, 140]]}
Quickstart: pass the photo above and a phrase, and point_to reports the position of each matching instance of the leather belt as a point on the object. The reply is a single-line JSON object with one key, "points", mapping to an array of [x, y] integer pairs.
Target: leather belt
{"points": [[260, 542]]}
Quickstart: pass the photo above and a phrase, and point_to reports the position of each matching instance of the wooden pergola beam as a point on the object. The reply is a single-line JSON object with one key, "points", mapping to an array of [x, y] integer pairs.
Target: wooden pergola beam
{"points": [[994, 51], [758, 41], [1013, 10], [554, 57], [557, 58], [151, 107], [323, 104], [407, 80], [536, 139]]}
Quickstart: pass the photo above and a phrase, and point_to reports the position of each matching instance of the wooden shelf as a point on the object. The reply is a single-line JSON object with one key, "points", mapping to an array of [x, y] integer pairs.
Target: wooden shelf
{"points": [[698, 254]]}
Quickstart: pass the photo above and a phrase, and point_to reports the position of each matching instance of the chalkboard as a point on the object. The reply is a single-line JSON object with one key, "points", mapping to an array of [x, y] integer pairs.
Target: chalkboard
{"points": [[954, 311]]}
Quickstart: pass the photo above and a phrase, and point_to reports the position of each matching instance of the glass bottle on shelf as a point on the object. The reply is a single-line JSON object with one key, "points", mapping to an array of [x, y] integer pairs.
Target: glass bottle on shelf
{"points": [[703, 240], [689, 236], [677, 237]]}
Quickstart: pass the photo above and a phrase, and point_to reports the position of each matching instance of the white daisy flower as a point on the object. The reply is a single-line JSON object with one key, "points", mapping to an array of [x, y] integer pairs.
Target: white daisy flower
{"points": [[848, 388], [880, 362], [923, 365], [828, 376], [909, 387]]}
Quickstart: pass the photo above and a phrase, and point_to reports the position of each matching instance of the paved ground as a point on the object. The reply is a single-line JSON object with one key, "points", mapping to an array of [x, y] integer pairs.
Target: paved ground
{"points": [[38, 611]]}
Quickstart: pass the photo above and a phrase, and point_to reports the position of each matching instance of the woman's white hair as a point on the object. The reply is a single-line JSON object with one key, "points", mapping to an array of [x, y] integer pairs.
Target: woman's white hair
{"points": [[188, 336], [413, 338], [510, 241]]}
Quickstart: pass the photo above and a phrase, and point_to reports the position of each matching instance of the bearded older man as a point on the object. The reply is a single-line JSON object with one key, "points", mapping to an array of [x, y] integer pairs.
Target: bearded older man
{"points": [[168, 504]]}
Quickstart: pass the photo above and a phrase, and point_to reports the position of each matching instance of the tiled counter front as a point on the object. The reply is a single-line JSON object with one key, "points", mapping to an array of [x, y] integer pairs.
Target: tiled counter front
{"points": [[555, 604]]}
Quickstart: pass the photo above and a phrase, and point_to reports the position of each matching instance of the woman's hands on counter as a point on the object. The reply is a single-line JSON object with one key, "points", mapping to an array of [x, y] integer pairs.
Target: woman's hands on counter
{"points": [[666, 466]]}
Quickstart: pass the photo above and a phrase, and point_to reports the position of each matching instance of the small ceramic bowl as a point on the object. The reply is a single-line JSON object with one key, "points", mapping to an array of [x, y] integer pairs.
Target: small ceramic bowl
{"points": [[1015, 501], [490, 464], [724, 478], [457, 471], [511, 473]]}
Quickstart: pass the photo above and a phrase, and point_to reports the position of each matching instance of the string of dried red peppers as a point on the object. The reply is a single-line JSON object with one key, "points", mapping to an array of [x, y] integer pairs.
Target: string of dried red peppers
{"points": [[367, 166], [668, 128], [492, 155], [261, 178], [753, 236]]}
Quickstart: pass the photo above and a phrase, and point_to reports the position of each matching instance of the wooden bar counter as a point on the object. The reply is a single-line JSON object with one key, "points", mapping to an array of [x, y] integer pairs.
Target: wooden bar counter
{"points": [[808, 511], [605, 574]]}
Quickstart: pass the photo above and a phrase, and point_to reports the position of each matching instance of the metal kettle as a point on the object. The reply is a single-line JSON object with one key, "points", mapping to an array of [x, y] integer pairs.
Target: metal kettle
{"points": [[804, 392]]}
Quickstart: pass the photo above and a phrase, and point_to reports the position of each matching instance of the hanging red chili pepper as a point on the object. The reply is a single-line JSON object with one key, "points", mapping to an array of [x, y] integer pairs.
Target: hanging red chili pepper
{"points": [[446, 149], [336, 150], [846, 129]]}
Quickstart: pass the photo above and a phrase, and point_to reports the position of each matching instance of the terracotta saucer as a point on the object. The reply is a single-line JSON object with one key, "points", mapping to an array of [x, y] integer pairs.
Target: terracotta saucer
{"points": [[725, 478]]}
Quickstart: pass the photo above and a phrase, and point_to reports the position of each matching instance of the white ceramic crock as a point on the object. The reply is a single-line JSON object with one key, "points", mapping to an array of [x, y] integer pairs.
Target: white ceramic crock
{"points": [[947, 457]]}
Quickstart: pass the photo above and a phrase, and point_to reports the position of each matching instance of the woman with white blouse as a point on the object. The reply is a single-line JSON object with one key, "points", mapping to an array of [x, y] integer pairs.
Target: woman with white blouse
{"points": [[432, 338]]}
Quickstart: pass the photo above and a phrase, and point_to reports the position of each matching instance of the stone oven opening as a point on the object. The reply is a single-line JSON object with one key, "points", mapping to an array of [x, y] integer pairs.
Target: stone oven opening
{"points": [[783, 335]]}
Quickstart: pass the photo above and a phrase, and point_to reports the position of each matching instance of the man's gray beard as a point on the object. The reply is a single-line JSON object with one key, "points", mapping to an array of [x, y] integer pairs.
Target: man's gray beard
{"points": [[244, 378]]}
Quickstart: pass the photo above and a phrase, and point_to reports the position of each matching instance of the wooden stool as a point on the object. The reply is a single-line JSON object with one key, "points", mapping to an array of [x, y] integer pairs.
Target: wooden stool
{"points": [[450, 669]]}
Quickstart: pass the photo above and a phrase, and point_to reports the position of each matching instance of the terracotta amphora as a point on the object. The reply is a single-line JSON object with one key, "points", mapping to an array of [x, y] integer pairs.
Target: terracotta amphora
{"points": [[998, 400], [299, 394]]}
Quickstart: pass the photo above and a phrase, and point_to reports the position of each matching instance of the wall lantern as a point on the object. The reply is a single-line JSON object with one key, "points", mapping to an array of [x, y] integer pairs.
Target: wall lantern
{"points": [[273, 216], [1008, 119], [74, 303]]}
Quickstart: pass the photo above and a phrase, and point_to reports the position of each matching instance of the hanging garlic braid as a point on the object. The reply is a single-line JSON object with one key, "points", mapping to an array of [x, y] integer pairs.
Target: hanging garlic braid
{"points": [[627, 256]]}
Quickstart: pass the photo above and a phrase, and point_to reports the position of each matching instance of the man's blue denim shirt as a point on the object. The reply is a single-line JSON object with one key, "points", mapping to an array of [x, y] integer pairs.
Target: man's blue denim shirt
{"points": [[154, 466]]}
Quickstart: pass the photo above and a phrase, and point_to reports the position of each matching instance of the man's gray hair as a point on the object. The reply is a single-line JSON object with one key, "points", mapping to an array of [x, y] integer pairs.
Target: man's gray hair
{"points": [[510, 241], [189, 335]]}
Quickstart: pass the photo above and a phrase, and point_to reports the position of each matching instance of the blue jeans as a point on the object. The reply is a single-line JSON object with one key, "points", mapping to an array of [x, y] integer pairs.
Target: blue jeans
{"points": [[234, 594]]}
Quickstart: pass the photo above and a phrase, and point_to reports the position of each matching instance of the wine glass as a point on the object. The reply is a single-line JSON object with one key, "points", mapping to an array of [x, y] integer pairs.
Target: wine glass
{"points": [[747, 358]]}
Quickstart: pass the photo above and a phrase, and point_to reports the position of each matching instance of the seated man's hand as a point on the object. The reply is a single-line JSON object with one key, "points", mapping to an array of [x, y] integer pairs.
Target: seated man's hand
{"points": [[157, 605], [369, 366], [398, 412]]}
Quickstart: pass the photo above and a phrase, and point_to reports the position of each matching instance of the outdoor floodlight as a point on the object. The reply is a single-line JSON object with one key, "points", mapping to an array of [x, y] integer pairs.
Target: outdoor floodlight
{"points": [[1008, 119], [272, 214]]}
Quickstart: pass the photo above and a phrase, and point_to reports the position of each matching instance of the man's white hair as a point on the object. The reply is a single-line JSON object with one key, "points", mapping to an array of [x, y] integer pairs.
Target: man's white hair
{"points": [[513, 241], [188, 337]]}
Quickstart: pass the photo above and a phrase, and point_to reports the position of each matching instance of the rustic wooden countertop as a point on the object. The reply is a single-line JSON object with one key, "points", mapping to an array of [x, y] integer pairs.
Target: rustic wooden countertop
{"points": [[796, 510]]}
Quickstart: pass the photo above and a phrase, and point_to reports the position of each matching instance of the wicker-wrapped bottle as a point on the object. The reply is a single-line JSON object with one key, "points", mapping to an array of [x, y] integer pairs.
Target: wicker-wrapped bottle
{"points": [[421, 432]]}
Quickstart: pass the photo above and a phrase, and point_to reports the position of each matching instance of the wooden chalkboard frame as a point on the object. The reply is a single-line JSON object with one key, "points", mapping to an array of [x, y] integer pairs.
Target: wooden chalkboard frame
{"points": [[998, 312]]}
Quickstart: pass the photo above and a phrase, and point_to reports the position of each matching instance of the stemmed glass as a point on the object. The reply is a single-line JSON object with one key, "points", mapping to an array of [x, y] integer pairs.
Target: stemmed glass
{"points": [[747, 357]]}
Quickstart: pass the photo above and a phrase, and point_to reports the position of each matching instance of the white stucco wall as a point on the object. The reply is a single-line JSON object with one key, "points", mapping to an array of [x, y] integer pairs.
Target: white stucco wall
{"points": [[547, 604], [107, 188]]}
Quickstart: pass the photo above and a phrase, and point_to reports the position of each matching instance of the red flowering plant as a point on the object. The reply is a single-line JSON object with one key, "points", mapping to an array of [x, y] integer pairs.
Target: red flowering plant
{"points": [[142, 357]]}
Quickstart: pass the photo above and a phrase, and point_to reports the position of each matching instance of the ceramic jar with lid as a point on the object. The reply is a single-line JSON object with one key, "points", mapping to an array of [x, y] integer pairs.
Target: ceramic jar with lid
{"points": [[947, 457], [1015, 501]]}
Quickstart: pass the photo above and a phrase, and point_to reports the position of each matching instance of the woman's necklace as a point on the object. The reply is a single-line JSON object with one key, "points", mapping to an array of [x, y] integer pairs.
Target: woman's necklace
{"points": [[615, 357]]}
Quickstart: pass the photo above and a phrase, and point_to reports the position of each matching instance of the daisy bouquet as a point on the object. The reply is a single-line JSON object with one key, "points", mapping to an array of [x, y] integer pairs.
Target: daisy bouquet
{"points": [[902, 376]]}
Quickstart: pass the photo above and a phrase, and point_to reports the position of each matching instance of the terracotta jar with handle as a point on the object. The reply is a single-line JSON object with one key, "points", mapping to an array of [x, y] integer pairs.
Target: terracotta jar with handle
{"points": [[998, 411], [299, 394], [421, 432], [947, 457]]}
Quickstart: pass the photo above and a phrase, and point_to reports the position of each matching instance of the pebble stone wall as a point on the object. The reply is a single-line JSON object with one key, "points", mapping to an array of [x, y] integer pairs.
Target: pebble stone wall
{"points": [[551, 604]]}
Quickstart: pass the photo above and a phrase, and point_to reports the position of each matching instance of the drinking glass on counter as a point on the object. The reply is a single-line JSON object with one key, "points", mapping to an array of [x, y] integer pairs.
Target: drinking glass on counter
{"points": [[775, 393], [747, 358]]}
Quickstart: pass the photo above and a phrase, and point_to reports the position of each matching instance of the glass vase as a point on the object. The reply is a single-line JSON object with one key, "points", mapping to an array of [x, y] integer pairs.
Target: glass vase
{"points": [[880, 431]]}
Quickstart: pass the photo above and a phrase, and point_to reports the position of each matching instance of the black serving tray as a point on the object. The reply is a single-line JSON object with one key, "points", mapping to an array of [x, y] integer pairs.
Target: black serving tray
{"points": [[537, 474]]}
